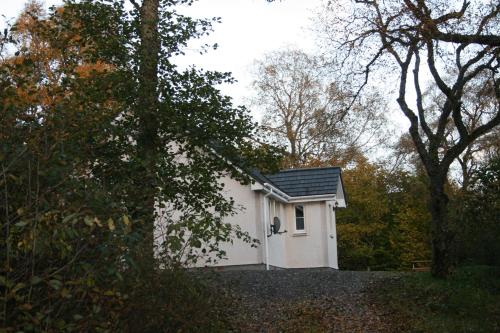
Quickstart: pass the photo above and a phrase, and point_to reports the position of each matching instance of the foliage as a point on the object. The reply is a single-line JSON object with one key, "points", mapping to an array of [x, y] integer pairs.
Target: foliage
{"points": [[63, 222], [175, 301], [466, 302], [386, 223], [477, 212], [410, 217], [362, 228], [459, 44], [72, 174]]}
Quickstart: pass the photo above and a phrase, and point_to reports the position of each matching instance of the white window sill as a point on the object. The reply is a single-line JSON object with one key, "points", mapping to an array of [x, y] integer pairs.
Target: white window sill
{"points": [[299, 233]]}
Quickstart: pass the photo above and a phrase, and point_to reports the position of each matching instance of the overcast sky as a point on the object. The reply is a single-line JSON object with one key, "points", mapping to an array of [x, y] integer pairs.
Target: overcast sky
{"points": [[249, 29]]}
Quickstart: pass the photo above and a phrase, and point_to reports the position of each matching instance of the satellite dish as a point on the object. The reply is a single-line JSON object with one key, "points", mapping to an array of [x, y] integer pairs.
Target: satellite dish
{"points": [[275, 228]]}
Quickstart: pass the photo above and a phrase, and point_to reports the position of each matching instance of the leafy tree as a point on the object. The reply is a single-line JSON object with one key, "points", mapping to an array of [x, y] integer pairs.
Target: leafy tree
{"points": [[459, 44], [386, 224], [409, 217], [361, 229], [79, 190], [63, 221]]}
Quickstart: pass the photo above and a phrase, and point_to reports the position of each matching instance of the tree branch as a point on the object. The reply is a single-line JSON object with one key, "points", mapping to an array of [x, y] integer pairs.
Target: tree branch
{"points": [[135, 4], [420, 107], [456, 150], [490, 40], [417, 140]]}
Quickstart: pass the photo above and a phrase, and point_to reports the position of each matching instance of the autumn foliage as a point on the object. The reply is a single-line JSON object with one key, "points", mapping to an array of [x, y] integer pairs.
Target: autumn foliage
{"points": [[73, 248]]}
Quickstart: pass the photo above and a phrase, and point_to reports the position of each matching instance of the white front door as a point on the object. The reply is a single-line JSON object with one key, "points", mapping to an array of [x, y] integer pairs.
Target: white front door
{"points": [[331, 235]]}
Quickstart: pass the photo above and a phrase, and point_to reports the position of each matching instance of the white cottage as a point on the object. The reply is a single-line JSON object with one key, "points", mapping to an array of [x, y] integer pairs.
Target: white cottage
{"points": [[292, 214]]}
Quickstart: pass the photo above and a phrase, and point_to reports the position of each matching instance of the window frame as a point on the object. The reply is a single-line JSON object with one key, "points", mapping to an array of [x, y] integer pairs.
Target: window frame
{"points": [[295, 217]]}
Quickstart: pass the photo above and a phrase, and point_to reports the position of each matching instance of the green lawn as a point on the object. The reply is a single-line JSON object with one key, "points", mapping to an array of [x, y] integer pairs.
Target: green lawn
{"points": [[469, 301]]}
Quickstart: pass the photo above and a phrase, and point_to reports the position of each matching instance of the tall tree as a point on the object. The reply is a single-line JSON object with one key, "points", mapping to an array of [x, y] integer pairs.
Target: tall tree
{"points": [[181, 116], [73, 136], [147, 25], [310, 113], [459, 44], [479, 103], [63, 218]]}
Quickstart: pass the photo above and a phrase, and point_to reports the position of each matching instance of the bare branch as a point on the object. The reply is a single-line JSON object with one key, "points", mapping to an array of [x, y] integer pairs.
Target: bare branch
{"points": [[135, 4], [489, 40], [456, 150], [408, 112], [420, 106]]}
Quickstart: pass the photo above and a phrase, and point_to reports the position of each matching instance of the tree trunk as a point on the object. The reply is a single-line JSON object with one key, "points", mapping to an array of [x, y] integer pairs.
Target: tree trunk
{"points": [[442, 235], [149, 53], [147, 108]]}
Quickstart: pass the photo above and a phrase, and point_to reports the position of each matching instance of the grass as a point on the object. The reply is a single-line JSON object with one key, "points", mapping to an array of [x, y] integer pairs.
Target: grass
{"points": [[468, 301]]}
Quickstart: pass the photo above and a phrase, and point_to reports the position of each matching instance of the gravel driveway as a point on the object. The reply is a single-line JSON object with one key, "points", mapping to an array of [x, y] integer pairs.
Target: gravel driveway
{"points": [[306, 300]]}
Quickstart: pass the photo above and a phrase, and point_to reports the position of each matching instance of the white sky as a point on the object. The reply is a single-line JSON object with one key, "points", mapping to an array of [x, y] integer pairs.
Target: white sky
{"points": [[249, 29]]}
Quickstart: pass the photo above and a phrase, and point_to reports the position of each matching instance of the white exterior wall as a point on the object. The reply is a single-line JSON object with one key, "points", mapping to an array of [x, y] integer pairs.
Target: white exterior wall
{"points": [[317, 247], [307, 249], [249, 219], [277, 242]]}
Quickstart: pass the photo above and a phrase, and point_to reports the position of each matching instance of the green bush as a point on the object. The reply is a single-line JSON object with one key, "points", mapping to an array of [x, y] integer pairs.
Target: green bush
{"points": [[175, 300], [78, 194]]}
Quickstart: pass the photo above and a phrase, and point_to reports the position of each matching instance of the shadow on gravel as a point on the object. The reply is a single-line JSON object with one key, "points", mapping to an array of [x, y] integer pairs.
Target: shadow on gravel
{"points": [[306, 300]]}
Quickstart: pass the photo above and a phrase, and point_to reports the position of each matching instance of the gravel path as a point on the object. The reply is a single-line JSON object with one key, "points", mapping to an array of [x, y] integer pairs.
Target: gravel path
{"points": [[306, 300]]}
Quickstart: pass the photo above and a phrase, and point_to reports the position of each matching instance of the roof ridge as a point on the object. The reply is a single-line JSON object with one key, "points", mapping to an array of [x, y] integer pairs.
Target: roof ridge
{"points": [[312, 168]]}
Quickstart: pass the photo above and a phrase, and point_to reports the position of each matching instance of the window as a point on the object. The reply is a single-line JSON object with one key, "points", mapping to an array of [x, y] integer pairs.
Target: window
{"points": [[299, 218]]}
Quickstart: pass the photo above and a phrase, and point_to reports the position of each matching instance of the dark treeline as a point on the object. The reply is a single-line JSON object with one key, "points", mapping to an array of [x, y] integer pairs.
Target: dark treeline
{"points": [[386, 226]]}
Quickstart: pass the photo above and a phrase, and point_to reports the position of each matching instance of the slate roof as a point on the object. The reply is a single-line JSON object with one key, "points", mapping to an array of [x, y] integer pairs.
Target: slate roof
{"points": [[303, 182]]}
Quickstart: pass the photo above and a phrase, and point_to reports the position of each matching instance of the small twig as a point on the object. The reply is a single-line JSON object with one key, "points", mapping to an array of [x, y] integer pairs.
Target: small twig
{"points": [[7, 242], [135, 4], [35, 226], [69, 262], [14, 160]]}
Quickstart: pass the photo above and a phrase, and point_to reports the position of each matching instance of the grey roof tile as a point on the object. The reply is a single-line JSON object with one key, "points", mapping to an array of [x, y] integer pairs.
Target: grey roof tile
{"points": [[304, 182]]}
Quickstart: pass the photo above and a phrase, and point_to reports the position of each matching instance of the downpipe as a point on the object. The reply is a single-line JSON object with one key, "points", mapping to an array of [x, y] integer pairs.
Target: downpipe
{"points": [[266, 216]]}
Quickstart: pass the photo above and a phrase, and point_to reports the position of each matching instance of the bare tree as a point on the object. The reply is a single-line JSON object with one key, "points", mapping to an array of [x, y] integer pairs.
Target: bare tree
{"points": [[425, 40], [306, 110], [479, 104]]}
